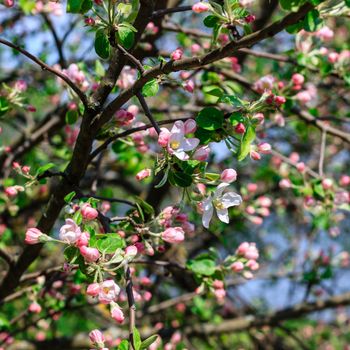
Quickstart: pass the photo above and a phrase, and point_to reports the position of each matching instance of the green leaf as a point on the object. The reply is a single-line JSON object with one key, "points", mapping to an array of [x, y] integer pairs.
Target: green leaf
{"points": [[4, 105], [210, 118], [124, 345], [102, 46], [136, 339], [151, 88], [125, 37], [232, 100], [124, 9], [149, 341], [312, 21], [180, 179], [248, 138], [99, 69], [291, 5], [347, 3], [43, 168], [69, 197], [79, 6], [211, 21], [205, 136], [110, 244], [71, 253], [72, 116], [205, 267], [27, 5], [146, 208]]}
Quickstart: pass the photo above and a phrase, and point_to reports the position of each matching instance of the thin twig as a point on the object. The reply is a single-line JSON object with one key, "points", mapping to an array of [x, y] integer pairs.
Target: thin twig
{"points": [[322, 152], [161, 13], [148, 112], [132, 58], [48, 68]]}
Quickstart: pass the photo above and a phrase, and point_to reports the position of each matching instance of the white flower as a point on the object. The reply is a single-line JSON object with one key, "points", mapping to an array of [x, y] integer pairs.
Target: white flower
{"points": [[178, 144], [70, 232], [221, 202]]}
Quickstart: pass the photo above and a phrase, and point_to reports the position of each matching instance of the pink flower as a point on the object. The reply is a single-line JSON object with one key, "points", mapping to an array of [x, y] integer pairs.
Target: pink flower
{"points": [[304, 96], [189, 86], [88, 212], [11, 191], [26, 169], [130, 252], [200, 7], [89, 254], [280, 100], [252, 188], [190, 126], [254, 155], [325, 33], [253, 265], [89, 21], [333, 57], [21, 85], [173, 235], [301, 167], [117, 313], [220, 294], [70, 232], [34, 308], [264, 84], [249, 18], [124, 117], [202, 153], [228, 175], [33, 236], [9, 3], [127, 77], [248, 251], [177, 54], [195, 48], [327, 184], [344, 180], [83, 239], [217, 284], [143, 174], [93, 289], [298, 79], [285, 183], [164, 137], [237, 266], [109, 291], [259, 118], [97, 338], [240, 128], [264, 148]]}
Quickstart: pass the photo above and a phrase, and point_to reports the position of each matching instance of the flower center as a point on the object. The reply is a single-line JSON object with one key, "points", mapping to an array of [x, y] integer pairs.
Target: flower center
{"points": [[174, 144], [218, 204], [105, 290]]}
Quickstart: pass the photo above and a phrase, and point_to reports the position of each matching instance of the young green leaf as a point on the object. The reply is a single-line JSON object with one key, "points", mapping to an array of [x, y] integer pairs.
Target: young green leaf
{"points": [[102, 46]]}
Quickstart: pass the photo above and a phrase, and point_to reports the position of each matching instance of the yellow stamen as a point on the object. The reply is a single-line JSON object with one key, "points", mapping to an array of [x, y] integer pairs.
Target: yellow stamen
{"points": [[218, 205], [174, 144]]}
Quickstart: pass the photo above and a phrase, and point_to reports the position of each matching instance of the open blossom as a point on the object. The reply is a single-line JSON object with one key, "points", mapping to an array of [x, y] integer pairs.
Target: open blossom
{"points": [[178, 144], [264, 84], [70, 232], [127, 77], [124, 117], [173, 235], [130, 252], [109, 291], [200, 7], [33, 236], [190, 126], [325, 33], [221, 202], [117, 313], [88, 212]]}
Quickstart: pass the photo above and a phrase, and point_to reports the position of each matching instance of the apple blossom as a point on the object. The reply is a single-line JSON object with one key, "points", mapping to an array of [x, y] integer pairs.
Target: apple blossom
{"points": [[117, 313], [177, 54], [200, 7], [228, 175], [33, 236], [89, 254], [221, 202], [109, 291], [93, 289], [88, 212], [173, 235], [97, 338], [143, 174], [70, 232], [201, 153]]}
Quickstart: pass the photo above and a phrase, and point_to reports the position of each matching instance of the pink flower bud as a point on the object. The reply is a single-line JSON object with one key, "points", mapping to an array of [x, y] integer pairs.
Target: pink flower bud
{"points": [[97, 338], [33, 236], [285, 183], [9, 3], [344, 180], [240, 128], [177, 54], [93, 289], [83, 240], [254, 155], [163, 138], [143, 174], [327, 184], [237, 266], [217, 284], [298, 79], [88, 212], [301, 167], [333, 57], [249, 18], [201, 153], [253, 265], [34, 308], [173, 235], [117, 313], [280, 100], [26, 169], [11, 191], [89, 254], [259, 117], [264, 148], [124, 117], [190, 126], [195, 48], [89, 21], [228, 175], [252, 188], [200, 7], [189, 86], [130, 252], [31, 108]]}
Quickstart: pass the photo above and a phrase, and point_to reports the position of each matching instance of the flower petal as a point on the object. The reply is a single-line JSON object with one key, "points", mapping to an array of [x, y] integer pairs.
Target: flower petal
{"points": [[223, 215], [207, 214], [178, 128], [220, 189], [189, 144], [231, 199], [181, 155]]}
